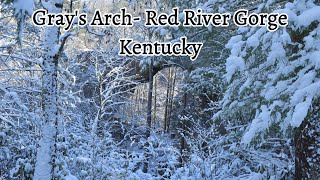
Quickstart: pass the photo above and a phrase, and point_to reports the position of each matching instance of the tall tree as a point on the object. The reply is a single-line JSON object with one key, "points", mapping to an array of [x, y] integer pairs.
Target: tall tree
{"points": [[52, 48], [149, 114], [273, 80]]}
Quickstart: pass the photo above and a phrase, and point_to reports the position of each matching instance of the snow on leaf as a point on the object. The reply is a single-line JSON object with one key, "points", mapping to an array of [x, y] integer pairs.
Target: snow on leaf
{"points": [[315, 59], [300, 112], [233, 65], [259, 124], [22, 6], [309, 16]]}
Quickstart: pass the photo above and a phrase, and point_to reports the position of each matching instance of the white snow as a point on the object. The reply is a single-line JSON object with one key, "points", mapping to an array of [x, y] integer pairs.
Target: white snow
{"points": [[315, 59], [71, 177], [259, 124], [233, 40], [28, 167], [300, 112], [253, 41], [277, 52], [24, 6], [308, 16], [43, 170], [233, 65]]}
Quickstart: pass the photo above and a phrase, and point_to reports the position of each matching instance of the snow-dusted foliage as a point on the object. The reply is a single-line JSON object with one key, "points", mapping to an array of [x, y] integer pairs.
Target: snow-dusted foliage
{"points": [[22, 9], [72, 108], [275, 74]]}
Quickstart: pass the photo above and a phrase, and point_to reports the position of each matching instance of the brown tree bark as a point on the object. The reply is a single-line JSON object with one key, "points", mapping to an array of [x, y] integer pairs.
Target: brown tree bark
{"points": [[307, 145]]}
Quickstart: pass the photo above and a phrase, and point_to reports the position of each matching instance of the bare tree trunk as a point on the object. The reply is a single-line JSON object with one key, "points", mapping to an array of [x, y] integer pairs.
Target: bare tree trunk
{"points": [[172, 87], [167, 103], [155, 103], [47, 146], [149, 114], [95, 130], [182, 123], [136, 104]]}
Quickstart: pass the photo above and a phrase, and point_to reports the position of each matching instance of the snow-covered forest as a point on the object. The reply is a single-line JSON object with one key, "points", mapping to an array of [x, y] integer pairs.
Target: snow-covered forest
{"points": [[72, 108]]}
